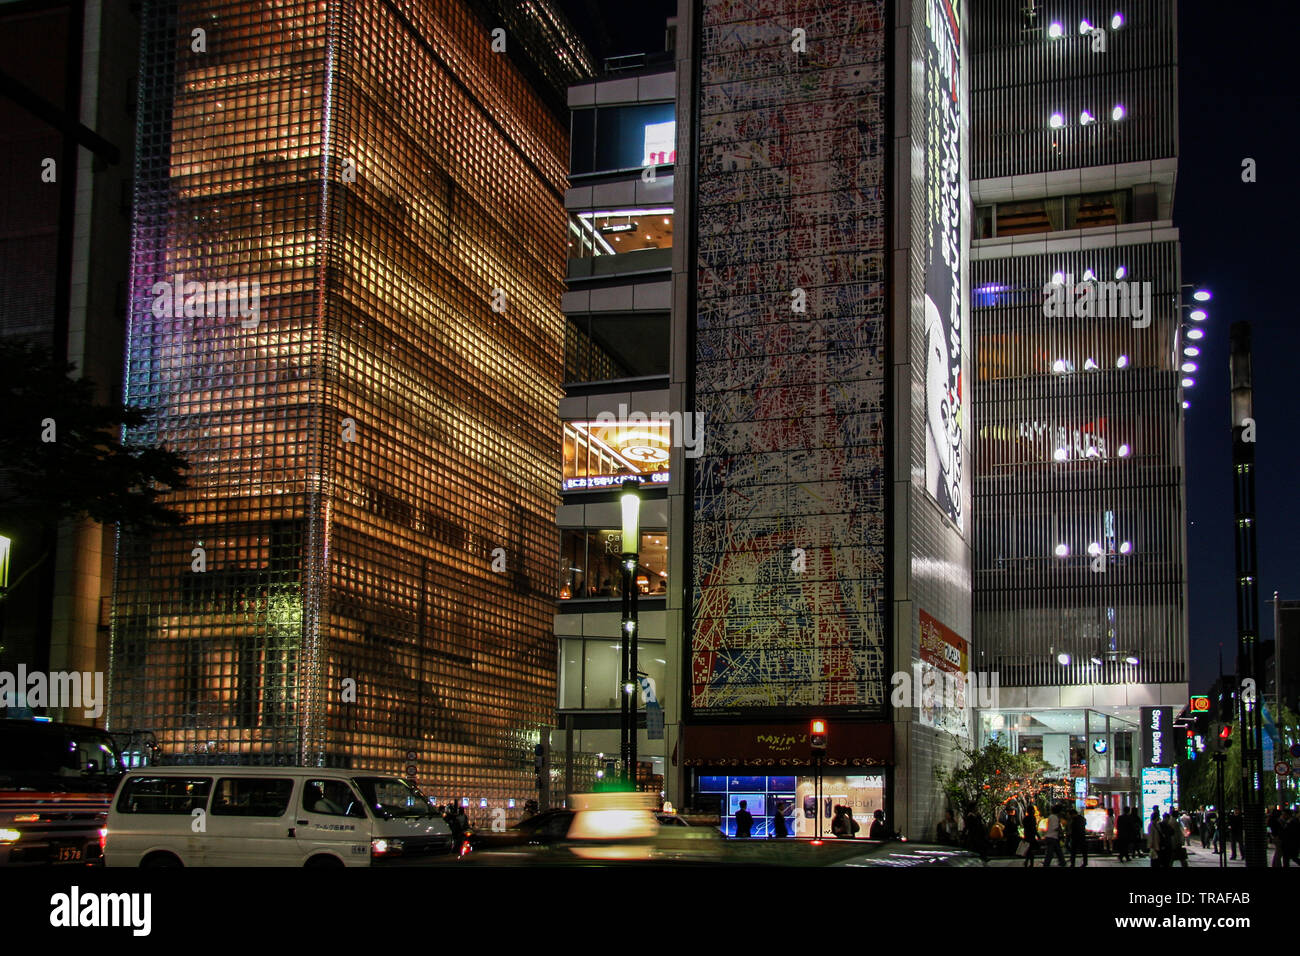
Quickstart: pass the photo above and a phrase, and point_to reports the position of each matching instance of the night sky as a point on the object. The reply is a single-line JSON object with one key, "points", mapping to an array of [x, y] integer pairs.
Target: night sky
{"points": [[1237, 99]]}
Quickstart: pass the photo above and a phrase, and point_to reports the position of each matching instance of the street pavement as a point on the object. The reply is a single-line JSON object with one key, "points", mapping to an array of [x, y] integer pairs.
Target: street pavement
{"points": [[1195, 857]]}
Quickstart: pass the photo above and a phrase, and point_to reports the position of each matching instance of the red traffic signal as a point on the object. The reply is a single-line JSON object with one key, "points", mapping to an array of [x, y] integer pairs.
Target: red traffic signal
{"points": [[817, 736]]}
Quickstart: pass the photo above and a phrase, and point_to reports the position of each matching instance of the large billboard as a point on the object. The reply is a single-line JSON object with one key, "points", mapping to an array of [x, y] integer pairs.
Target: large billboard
{"points": [[944, 388], [943, 669], [788, 533]]}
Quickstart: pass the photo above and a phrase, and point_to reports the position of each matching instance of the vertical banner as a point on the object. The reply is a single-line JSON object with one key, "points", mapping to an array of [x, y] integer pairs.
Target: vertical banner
{"points": [[943, 669], [1157, 736], [943, 320]]}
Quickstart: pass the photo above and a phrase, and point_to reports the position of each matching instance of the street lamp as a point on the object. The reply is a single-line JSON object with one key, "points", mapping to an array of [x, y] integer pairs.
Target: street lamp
{"points": [[630, 502]]}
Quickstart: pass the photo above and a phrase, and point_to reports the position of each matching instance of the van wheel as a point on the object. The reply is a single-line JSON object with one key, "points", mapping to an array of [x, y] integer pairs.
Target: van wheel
{"points": [[160, 859], [324, 861]]}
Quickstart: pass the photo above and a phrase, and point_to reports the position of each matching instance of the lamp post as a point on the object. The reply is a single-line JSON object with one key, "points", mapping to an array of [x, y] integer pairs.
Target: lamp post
{"points": [[630, 501]]}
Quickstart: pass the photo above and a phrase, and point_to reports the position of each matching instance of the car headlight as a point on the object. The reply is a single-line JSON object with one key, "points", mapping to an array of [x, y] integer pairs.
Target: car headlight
{"points": [[383, 847], [10, 836]]}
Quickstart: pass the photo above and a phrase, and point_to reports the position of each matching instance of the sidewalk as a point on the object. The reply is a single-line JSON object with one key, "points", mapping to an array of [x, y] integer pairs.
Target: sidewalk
{"points": [[1195, 857]]}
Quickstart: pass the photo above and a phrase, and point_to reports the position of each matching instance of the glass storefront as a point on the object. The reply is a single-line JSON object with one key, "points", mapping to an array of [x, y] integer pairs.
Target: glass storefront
{"points": [[794, 797], [590, 668], [1092, 756], [590, 564]]}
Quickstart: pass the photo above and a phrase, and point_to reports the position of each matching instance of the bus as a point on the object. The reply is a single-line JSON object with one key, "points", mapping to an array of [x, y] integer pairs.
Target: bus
{"points": [[56, 783]]}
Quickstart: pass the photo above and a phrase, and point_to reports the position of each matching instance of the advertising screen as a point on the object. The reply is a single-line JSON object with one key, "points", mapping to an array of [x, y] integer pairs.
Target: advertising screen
{"points": [[944, 663], [1157, 791], [944, 388]]}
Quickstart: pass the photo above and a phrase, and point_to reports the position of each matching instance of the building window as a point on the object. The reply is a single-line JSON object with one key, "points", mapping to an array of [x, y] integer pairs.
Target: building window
{"points": [[607, 232], [608, 138], [590, 564], [591, 672], [1057, 213], [602, 346]]}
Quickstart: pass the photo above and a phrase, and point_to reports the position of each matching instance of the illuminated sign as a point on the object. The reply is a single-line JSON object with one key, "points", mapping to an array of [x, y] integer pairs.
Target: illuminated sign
{"points": [[1157, 723], [660, 143], [601, 482], [1199, 705], [944, 329], [1158, 787]]}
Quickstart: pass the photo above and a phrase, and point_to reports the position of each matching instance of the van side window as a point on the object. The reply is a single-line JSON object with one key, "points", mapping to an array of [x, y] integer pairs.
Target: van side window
{"points": [[251, 797], [331, 797], [164, 794]]}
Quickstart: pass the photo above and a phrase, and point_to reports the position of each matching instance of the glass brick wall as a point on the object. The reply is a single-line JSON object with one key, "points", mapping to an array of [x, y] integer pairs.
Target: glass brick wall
{"points": [[362, 452]]}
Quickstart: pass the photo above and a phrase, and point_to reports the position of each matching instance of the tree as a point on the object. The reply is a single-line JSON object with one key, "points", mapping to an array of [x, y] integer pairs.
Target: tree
{"points": [[61, 454], [990, 776]]}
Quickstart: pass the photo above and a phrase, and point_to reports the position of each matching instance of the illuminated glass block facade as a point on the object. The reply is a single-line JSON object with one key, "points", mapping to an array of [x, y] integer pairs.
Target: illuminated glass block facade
{"points": [[367, 574]]}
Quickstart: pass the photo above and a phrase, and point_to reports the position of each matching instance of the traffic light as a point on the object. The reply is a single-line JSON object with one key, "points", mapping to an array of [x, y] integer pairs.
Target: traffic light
{"points": [[1220, 736], [817, 737], [1225, 736]]}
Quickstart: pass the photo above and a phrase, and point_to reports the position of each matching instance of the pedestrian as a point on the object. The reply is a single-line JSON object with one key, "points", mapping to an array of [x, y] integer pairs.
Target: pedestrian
{"points": [[1078, 836], [1275, 834], [1108, 831], [1011, 832], [946, 830], [1052, 838], [878, 831], [779, 828], [744, 821], [1029, 840], [996, 837], [1123, 844], [1290, 837], [1177, 842], [1153, 838], [839, 825], [851, 825], [1207, 828], [1236, 828]]}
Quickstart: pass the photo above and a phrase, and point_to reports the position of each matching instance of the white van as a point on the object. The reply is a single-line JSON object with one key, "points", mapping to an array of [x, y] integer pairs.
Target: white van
{"points": [[270, 816]]}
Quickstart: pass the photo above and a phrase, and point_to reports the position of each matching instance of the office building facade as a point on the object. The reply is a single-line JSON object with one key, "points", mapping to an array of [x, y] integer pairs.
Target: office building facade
{"points": [[620, 242], [345, 311], [1084, 352]]}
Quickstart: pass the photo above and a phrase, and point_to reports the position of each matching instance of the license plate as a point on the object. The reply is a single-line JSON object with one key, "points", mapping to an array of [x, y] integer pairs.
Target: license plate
{"points": [[67, 854]]}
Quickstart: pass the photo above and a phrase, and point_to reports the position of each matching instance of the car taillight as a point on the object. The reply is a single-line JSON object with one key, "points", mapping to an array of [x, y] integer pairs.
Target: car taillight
{"points": [[103, 839]]}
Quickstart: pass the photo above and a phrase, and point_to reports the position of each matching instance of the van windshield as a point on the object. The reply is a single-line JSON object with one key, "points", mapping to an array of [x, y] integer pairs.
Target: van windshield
{"points": [[393, 797]]}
